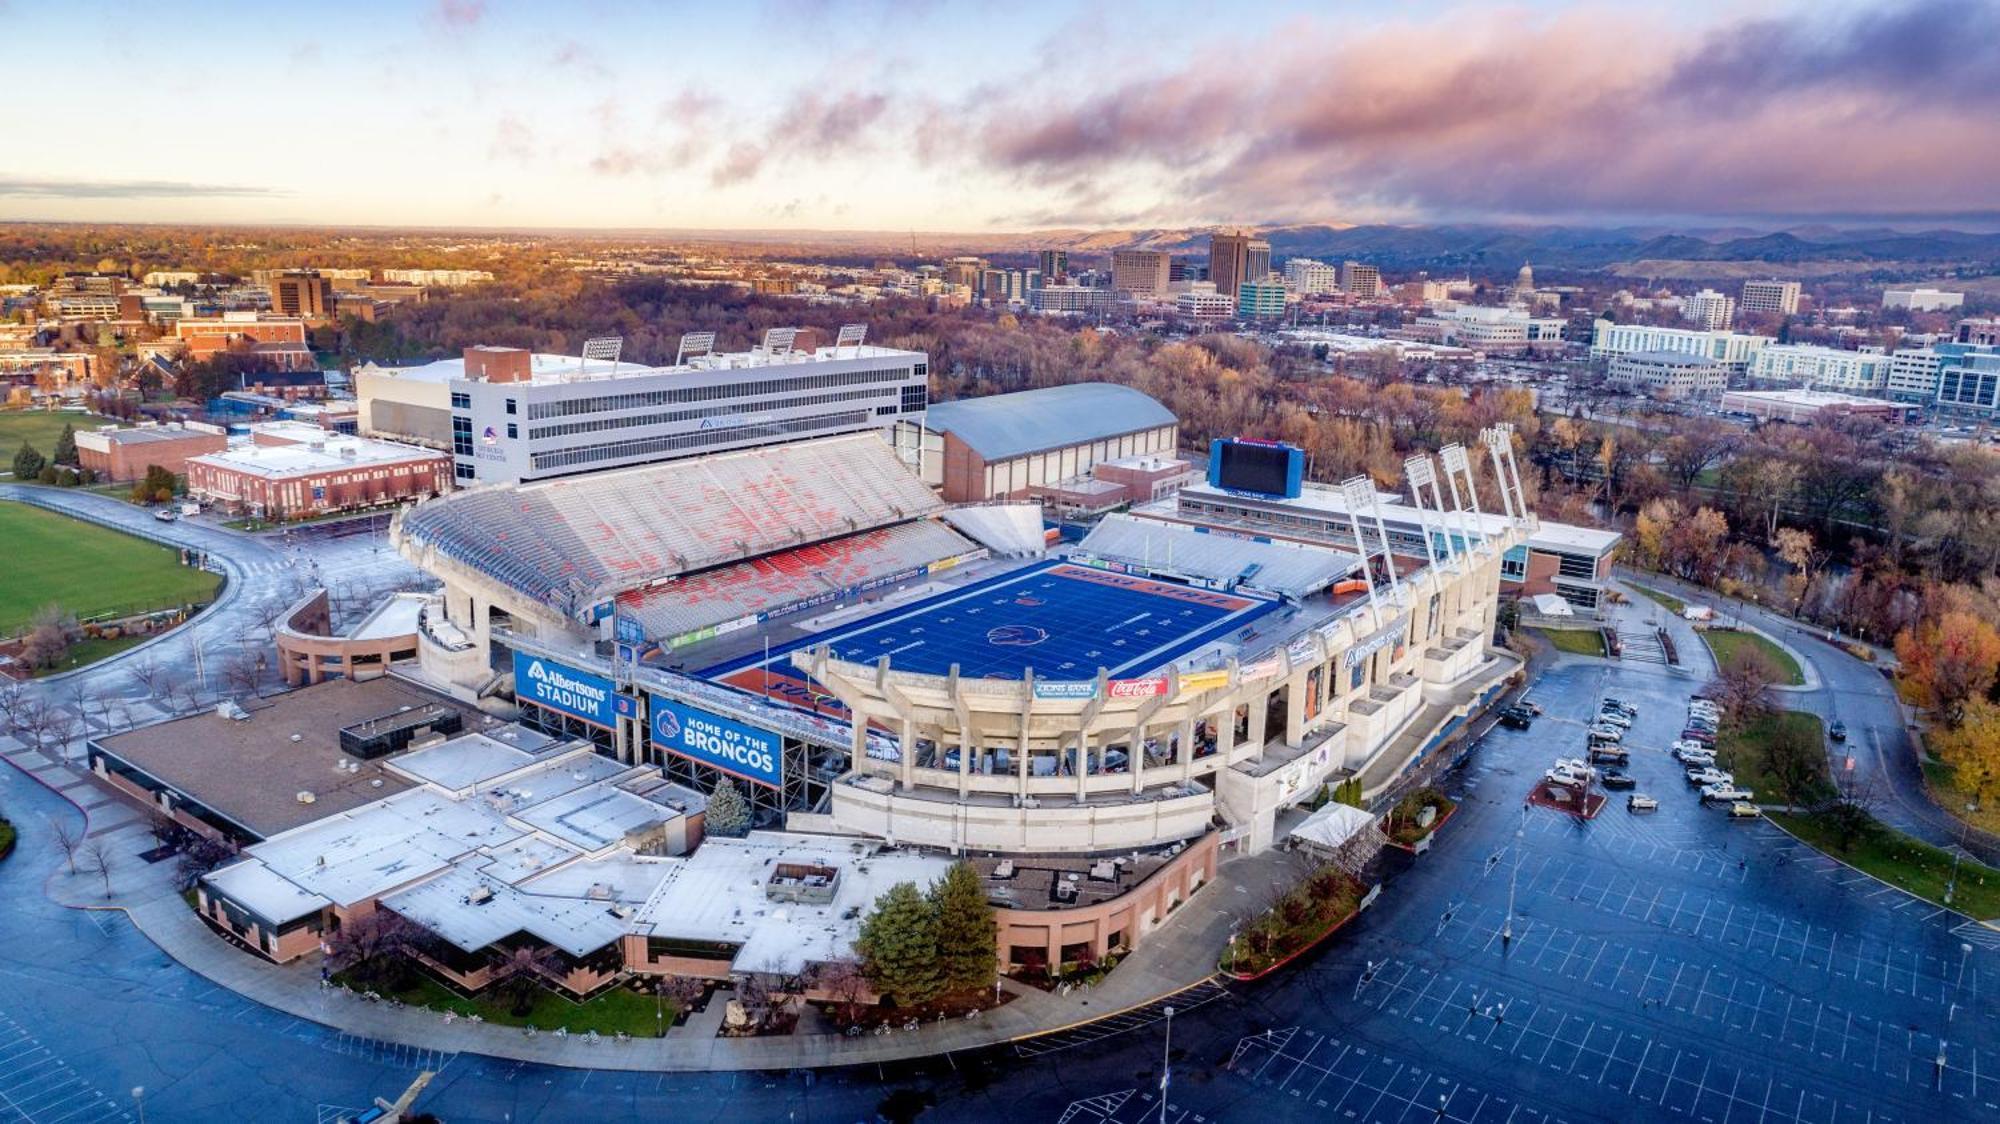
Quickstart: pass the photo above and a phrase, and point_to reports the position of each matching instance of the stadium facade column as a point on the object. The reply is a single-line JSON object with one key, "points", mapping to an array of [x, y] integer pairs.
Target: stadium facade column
{"points": [[1260, 707], [906, 751], [1187, 747], [1082, 764], [1295, 705]]}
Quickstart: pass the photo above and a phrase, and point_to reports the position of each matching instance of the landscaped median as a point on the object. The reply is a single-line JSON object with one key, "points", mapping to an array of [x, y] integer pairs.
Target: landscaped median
{"points": [[1729, 644], [1305, 916], [1576, 641], [1868, 845], [619, 1010], [1667, 601], [1407, 825], [1779, 755], [6, 837]]}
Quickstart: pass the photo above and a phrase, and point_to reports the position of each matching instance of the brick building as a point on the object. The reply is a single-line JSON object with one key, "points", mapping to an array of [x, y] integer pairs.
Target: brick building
{"points": [[279, 342], [296, 471], [121, 455]]}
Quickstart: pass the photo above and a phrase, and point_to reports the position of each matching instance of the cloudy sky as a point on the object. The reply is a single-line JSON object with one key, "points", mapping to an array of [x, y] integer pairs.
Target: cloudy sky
{"points": [[933, 115]]}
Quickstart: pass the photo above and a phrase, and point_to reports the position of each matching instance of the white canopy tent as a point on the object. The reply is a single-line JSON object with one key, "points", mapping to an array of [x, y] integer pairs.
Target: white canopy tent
{"points": [[1329, 829], [1552, 605]]}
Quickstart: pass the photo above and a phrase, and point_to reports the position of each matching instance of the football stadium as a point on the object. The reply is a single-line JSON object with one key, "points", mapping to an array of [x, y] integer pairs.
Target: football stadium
{"points": [[811, 619]]}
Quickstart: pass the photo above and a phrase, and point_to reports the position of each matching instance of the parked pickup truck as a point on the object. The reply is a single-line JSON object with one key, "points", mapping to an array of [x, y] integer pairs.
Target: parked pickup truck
{"points": [[1726, 794]]}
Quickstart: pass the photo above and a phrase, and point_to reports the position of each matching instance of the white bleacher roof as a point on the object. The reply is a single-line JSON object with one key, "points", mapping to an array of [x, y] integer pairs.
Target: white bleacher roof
{"points": [[574, 542], [1009, 529], [772, 583], [1281, 568]]}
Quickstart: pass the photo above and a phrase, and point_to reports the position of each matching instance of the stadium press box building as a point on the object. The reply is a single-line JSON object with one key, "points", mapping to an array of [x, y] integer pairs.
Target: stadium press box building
{"points": [[812, 620]]}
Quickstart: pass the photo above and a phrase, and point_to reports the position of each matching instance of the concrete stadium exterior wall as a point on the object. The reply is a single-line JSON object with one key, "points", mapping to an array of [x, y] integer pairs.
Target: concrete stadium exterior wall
{"points": [[1339, 695]]}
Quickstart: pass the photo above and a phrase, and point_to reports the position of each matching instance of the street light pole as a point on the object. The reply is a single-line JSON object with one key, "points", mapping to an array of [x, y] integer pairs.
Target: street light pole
{"points": [[1166, 1064], [1513, 876], [139, 1098]]}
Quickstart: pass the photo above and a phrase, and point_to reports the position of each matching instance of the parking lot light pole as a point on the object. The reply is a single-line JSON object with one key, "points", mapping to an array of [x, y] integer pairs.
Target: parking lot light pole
{"points": [[1964, 951], [1513, 876], [1951, 887], [139, 1099], [1166, 1063]]}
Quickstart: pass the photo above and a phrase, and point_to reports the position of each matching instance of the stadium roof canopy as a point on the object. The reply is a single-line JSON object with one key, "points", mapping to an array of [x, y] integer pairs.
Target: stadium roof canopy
{"points": [[1223, 560], [1056, 417], [575, 542]]}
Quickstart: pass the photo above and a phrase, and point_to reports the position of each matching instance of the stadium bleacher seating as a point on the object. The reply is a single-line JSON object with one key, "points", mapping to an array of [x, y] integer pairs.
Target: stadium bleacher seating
{"points": [[574, 542], [773, 582], [1007, 529]]}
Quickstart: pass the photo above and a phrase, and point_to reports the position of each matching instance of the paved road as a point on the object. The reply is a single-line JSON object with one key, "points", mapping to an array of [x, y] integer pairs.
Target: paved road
{"points": [[1883, 750]]}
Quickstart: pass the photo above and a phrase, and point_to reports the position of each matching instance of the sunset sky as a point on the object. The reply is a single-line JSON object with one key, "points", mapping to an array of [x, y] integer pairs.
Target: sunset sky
{"points": [[967, 117]]}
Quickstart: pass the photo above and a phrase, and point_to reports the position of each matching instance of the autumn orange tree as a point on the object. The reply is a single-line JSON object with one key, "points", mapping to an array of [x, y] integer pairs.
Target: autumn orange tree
{"points": [[1947, 661]]}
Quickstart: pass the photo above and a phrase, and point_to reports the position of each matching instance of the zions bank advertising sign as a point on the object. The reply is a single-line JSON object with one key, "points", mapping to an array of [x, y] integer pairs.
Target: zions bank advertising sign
{"points": [[553, 685], [693, 733]]}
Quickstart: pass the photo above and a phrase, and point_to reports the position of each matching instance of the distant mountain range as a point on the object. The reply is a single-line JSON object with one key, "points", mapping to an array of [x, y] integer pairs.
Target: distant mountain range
{"points": [[1492, 249]]}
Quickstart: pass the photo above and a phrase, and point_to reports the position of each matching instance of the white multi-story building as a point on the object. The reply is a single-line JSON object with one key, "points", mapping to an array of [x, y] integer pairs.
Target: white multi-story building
{"points": [[1731, 351], [1779, 298], [1821, 368], [510, 415], [1710, 309], [1073, 298], [445, 278], [1913, 374], [1205, 304], [1304, 275], [1921, 300], [1491, 329], [1669, 374]]}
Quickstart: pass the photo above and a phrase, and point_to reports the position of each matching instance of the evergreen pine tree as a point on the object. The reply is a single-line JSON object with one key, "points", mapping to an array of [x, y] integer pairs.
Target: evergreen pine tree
{"points": [[728, 812], [967, 952], [28, 463], [898, 947], [65, 446]]}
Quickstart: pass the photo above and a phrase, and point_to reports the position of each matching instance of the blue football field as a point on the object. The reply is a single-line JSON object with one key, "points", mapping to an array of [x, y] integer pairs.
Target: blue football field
{"points": [[1063, 620]]}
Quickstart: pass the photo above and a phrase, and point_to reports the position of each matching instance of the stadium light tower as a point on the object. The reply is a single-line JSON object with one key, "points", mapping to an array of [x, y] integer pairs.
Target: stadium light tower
{"points": [[1457, 464], [1356, 491], [851, 335], [694, 344], [601, 348], [1418, 471], [1499, 442]]}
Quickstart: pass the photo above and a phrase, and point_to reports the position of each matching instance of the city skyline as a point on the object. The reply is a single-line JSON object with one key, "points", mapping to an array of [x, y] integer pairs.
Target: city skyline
{"points": [[810, 116]]}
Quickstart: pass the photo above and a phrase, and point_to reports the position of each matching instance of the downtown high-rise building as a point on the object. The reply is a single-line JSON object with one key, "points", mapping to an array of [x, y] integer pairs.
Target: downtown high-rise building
{"points": [[1235, 256], [1778, 298], [1141, 271], [1710, 309], [1304, 275], [1054, 266], [1360, 280]]}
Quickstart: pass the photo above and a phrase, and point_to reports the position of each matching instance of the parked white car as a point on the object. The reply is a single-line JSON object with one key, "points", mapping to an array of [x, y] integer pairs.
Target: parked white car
{"points": [[1709, 775], [1616, 718], [1570, 775], [1641, 803]]}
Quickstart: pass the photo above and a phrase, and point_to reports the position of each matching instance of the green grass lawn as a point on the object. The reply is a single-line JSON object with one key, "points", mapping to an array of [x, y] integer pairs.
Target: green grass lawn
{"points": [[1897, 859], [6, 838], [1576, 641], [1668, 601], [1726, 644], [1740, 752], [90, 649], [87, 569], [38, 428], [618, 1009]]}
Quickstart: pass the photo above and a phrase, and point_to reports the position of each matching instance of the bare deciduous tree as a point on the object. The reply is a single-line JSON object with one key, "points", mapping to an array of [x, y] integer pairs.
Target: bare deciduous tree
{"points": [[97, 860], [68, 837]]}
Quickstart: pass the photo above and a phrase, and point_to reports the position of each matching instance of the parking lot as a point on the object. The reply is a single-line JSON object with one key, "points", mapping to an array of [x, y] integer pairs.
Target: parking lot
{"points": [[1676, 965]]}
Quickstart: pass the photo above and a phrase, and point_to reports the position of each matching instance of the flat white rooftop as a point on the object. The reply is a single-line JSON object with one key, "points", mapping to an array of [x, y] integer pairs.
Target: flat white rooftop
{"points": [[329, 453], [550, 370], [717, 894]]}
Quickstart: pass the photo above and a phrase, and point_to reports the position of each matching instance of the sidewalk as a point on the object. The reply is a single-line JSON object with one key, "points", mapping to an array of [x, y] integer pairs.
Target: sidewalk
{"points": [[1181, 954]]}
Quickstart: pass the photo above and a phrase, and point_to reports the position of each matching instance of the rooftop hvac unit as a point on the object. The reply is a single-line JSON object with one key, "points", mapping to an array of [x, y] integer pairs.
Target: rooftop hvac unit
{"points": [[305, 797], [480, 895]]}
